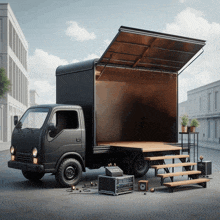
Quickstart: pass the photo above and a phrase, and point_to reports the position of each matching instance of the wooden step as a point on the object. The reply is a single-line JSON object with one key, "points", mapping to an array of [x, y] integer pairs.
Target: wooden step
{"points": [[166, 157], [186, 182], [172, 165], [165, 175]]}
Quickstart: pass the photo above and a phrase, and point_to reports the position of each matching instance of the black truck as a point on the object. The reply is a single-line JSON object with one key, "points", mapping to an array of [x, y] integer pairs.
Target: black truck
{"points": [[116, 109]]}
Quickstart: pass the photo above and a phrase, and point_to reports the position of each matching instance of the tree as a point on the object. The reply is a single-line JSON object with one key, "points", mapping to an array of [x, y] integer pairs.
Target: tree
{"points": [[5, 84]]}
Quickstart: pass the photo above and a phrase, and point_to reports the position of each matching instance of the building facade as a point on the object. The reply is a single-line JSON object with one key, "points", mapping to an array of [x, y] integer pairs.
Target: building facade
{"points": [[203, 103], [33, 97], [13, 58]]}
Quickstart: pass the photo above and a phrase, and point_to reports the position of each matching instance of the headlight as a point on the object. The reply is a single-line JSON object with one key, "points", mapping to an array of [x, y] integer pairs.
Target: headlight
{"points": [[34, 152], [12, 150]]}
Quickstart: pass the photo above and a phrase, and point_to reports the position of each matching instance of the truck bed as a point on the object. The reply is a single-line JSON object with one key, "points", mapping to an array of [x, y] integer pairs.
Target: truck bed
{"points": [[145, 146]]}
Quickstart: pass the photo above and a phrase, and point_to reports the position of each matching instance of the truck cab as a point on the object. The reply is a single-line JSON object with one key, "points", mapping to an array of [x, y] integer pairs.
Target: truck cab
{"points": [[50, 139]]}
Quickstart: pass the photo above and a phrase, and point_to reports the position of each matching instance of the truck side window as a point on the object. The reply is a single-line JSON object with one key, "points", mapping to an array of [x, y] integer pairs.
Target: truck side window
{"points": [[64, 120]]}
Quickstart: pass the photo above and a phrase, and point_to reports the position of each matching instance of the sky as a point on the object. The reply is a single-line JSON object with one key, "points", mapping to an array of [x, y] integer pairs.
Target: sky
{"points": [[61, 32]]}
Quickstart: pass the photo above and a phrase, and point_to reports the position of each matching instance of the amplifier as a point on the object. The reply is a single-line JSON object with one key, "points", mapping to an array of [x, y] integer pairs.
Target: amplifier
{"points": [[116, 185], [113, 171], [205, 167]]}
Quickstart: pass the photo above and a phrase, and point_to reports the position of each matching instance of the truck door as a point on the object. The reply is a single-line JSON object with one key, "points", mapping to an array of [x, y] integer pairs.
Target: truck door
{"points": [[67, 136]]}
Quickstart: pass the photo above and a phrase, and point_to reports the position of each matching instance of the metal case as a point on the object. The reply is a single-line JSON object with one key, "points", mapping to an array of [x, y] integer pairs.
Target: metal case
{"points": [[116, 185], [205, 167]]}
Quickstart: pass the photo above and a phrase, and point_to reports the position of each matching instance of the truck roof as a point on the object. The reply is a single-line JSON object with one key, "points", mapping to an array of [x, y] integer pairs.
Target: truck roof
{"points": [[76, 67], [56, 106]]}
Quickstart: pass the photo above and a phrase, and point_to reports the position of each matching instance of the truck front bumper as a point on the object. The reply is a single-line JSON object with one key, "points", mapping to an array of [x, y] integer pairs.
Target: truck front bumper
{"points": [[26, 166]]}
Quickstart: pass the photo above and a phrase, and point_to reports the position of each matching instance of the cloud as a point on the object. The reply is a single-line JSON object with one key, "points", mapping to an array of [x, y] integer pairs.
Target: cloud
{"points": [[182, 1], [107, 41], [46, 92], [74, 61], [78, 33], [192, 23], [92, 56], [42, 67]]}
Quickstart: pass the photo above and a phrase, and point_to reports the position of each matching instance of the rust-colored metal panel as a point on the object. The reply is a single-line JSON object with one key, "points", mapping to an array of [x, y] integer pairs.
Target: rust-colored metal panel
{"points": [[151, 50], [136, 106]]}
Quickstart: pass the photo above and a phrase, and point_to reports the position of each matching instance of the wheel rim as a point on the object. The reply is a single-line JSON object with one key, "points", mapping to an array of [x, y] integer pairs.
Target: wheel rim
{"points": [[70, 173], [140, 164]]}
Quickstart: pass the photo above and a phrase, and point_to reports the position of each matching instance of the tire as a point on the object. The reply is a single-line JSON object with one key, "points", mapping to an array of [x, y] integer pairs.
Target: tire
{"points": [[140, 166], [69, 172], [125, 166], [33, 176]]}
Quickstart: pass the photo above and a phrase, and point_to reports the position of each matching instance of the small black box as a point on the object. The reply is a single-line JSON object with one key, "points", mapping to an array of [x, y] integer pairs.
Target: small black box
{"points": [[205, 167], [113, 171]]}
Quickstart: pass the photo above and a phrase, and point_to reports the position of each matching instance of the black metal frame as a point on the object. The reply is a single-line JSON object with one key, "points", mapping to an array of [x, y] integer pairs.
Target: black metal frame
{"points": [[195, 143]]}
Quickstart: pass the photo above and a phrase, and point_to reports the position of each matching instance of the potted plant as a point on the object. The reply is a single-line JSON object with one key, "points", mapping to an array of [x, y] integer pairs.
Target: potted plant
{"points": [[184, 123], [194, 123]]}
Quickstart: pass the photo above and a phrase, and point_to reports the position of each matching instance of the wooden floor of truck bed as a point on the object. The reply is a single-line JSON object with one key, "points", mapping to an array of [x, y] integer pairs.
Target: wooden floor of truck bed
{"points": [[145, 146]]}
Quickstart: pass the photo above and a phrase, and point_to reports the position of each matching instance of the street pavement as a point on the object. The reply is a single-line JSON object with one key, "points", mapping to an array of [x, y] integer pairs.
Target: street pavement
{"points": [[5, 145], [22, 199]]}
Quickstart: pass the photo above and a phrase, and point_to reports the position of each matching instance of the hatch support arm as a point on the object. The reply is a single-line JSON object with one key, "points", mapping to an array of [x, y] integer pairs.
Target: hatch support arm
{"points": [[191, 62]]}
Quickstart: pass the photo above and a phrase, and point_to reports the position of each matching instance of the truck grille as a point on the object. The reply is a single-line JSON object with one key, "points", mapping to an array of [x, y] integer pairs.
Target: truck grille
{"points": [[25, 158]]}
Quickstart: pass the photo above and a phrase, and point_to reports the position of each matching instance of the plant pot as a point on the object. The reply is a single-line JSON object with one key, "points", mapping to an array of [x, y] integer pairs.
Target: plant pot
{"points": [[192, 129], [184, 129]]}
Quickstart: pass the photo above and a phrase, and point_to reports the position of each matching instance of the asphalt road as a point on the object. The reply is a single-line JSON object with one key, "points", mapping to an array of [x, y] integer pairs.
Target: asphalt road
{"points": [[22, 199]]}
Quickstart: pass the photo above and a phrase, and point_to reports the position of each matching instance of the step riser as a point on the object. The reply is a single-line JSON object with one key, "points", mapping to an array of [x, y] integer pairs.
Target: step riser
{"points": [[186, 182], [204, 185], [172, 165], [166, 157], [189, 173]]}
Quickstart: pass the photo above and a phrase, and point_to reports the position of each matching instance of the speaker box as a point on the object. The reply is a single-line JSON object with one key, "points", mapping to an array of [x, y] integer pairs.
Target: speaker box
{"points": [[205, 167], [143, 185], [116, 185]]}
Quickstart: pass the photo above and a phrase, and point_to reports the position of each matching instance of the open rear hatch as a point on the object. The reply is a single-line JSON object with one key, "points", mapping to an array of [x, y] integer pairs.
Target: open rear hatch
{"points": [[137, 86], [148, 51]]}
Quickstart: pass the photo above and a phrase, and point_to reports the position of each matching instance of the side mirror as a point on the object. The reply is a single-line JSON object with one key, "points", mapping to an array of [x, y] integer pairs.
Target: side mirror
{"points": [[15, 120], [51, 127]]}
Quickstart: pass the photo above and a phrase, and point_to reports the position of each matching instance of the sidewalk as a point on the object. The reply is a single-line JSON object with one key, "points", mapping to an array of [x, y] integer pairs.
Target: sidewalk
{"points": [[210, 145], [5, 146]]}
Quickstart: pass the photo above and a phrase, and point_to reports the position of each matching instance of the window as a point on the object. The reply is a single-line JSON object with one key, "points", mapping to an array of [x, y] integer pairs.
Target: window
{"points": [[208, 129], [33, 118], [10, 34], [216, 130], [1, 31], [10, 73], [216, 100], [200, 104], [64, 120], [209, 101]]}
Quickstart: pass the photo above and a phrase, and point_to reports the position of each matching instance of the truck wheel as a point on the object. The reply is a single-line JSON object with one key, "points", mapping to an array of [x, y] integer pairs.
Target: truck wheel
{"points": [[69, 172], [140, 166], [33, 176]]}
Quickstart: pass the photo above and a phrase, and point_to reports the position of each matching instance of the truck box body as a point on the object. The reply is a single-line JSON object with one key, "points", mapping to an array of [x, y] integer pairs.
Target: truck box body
{"points": [[131, 92]]}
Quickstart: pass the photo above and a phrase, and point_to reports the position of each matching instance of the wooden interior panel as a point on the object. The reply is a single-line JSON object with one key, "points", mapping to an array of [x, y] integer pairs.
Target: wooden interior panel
{"points": [[136, 106]]}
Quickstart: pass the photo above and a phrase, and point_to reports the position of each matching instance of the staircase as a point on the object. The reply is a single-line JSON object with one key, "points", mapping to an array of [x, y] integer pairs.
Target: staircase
{"points": [[189, 171]]}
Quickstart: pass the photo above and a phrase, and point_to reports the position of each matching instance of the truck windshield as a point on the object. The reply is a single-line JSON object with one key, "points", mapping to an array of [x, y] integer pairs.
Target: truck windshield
{"points": [[33, 118]]}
